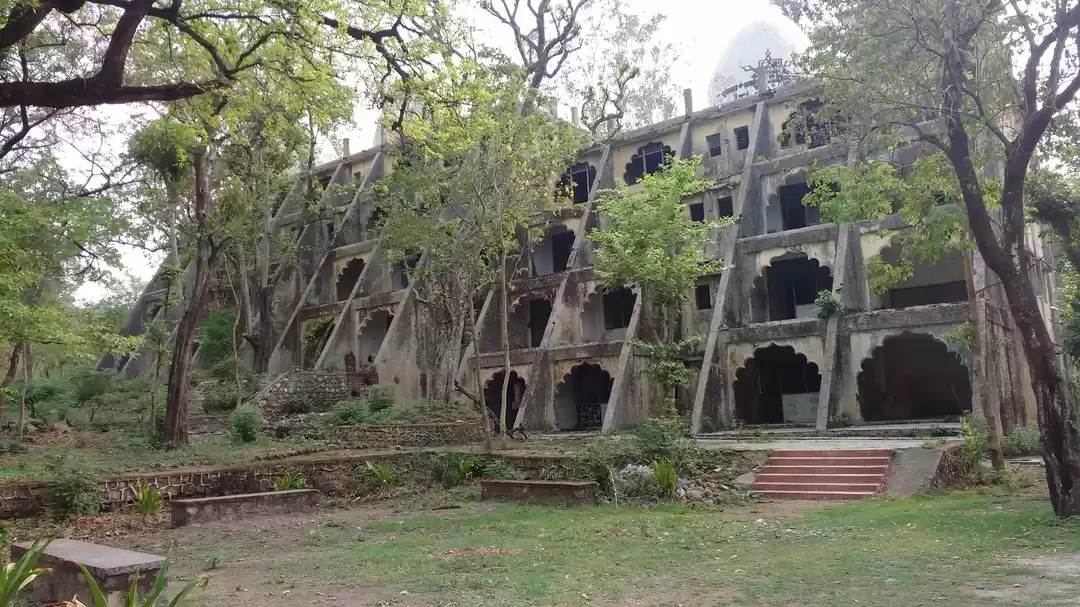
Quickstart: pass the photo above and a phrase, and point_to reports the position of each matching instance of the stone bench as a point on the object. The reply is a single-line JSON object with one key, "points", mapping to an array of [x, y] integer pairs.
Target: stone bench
{"points": [[565, 493], [114, 570], [231, 507]]}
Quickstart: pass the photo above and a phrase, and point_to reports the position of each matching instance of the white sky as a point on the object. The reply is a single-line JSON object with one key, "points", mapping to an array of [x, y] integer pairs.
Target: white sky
{"points": [[700, 29]]}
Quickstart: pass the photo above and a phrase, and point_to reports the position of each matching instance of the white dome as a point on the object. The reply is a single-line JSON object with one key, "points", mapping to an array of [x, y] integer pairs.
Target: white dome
{"points": [[773, 33]]}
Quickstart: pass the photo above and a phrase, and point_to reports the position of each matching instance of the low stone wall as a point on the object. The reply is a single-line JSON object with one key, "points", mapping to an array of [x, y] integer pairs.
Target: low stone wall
{"points": [[340, 474], [321, 388], [230, 507], [405, 435], [566, 493]]}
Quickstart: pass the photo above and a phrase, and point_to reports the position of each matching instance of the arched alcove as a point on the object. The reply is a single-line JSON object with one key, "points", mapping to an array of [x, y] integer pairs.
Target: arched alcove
{"points": [[647, 160], [913, 376], [515, 391], [372, 333], [932, 282], [581, 399], [552, 253], [347, 278], [576, 182], [777, 385], [788, 287]]}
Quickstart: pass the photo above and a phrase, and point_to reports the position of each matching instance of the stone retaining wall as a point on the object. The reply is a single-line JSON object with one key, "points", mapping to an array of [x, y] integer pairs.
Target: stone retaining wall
{"points": [[330, 474], [232, 507], [322, 388], [405, 435]]}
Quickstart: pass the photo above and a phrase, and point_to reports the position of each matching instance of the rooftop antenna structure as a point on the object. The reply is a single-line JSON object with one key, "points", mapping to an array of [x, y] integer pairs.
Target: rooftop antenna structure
{"points": [[768, 75]]}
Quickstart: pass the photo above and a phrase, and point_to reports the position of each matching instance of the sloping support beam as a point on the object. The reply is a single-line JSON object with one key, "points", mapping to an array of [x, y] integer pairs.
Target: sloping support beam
{"points": [[537, 404], [711, 398], [279, 361], [832, 366]]}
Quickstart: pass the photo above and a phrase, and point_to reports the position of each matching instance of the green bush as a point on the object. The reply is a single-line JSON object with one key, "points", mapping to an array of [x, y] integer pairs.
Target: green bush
{"points": [[216, 337], [73, 486], [1022, 440], [827, 304], [45, 394], [453, 469], [218, 395], [976, 442], [378, 476], [246, 421], [660, 438], [499, 468], [90, 383], [350, 412], [379, 399]]}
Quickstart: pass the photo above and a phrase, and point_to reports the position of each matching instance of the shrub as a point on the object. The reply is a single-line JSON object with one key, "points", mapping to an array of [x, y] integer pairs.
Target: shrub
{"points": [[43, 392], [499, 468], [246, 421], [666, 478], [975, 444], [297, 404], [603, 455], [380, 475], [1021, 440], [290, 480], [350, 412], [90, 383], [660, 438], [827, 304], [73, 486], [379, 399], [453, 469], [147, 499]]}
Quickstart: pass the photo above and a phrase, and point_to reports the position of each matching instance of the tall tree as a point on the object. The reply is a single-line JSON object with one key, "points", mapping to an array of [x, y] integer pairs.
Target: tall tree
{"points": [[943, 74], [485, 168], [650, 242]]}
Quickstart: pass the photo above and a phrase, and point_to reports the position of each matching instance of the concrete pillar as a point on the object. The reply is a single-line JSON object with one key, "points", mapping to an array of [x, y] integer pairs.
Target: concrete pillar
{"points": [[345, 147], [574, 115], [688, 101]]}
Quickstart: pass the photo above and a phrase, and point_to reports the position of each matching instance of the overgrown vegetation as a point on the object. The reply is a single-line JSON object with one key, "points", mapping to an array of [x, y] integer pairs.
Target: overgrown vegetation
{"points": [[453, 469], [148, 499], [73, 486], [827, 304], [246, 421], [1021, 440], [290, 480]]}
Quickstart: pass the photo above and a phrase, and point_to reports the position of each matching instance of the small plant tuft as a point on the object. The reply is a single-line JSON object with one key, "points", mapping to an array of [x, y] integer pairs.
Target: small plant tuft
{"points": [[351, 412], [246, 421], [666, 479], [148, 499], [380, 475], [827, 304], [290, 480]]}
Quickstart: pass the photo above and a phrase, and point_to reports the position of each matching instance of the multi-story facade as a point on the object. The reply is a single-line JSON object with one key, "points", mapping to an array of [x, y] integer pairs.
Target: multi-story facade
{"points": [[766, 357]]}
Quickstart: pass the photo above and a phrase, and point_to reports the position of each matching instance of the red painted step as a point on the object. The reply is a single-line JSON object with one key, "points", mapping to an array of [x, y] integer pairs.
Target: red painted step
{"points": [[824, 473]]}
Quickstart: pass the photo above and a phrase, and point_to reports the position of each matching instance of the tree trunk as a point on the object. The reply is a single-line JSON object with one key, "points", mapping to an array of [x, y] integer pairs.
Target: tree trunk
{"points": [[505, 327], [22, 390], [476, 376], [991, 414], [13, 367], [176, 433], [172, 201]]}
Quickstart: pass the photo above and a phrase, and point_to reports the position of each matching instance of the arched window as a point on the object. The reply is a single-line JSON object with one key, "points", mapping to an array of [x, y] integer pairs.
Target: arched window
{"points": [[646, 161], [577, 182]]}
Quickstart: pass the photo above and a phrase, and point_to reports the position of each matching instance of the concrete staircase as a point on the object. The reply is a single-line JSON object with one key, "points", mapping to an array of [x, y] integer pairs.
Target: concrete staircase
{"points": [[824, 474]]}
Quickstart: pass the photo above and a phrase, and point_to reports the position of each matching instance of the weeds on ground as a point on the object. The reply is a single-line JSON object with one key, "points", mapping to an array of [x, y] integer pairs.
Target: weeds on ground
{"points": [[1021, 440], [379, 476], [667, 481]]}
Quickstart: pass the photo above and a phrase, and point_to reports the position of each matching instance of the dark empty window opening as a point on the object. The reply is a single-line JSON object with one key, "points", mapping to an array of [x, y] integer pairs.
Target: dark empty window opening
{"points": [[577, 182], [792, 285], [793, 213], [948, 292], [539, 315], [562, 244], [646, 161], [715, 143], [776, 386], [618, 307], [697, 211], [330, 232], [324, 182], [373, 219], [725, 207], [742, 137], [348, 277], [703, 296], [937, 282]]}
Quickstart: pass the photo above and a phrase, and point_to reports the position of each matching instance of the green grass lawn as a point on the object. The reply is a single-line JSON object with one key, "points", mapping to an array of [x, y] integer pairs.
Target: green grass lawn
{"points": [[942, 549]]}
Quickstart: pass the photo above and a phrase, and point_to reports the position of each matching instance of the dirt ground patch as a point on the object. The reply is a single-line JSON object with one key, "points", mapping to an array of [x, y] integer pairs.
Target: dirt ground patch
{"points": [[485, 551], [771, 509], [1055, 579]]}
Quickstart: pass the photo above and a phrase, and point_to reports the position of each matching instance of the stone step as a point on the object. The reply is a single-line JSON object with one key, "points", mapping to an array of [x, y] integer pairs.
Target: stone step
{"points": [[833, 453], [769, 477], [769, 487], [829, 461], [824, 469], [818, 495]]}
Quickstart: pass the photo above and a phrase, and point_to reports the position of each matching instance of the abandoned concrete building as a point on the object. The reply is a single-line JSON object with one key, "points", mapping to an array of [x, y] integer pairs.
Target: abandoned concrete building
{"points": [[766, 356]]}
